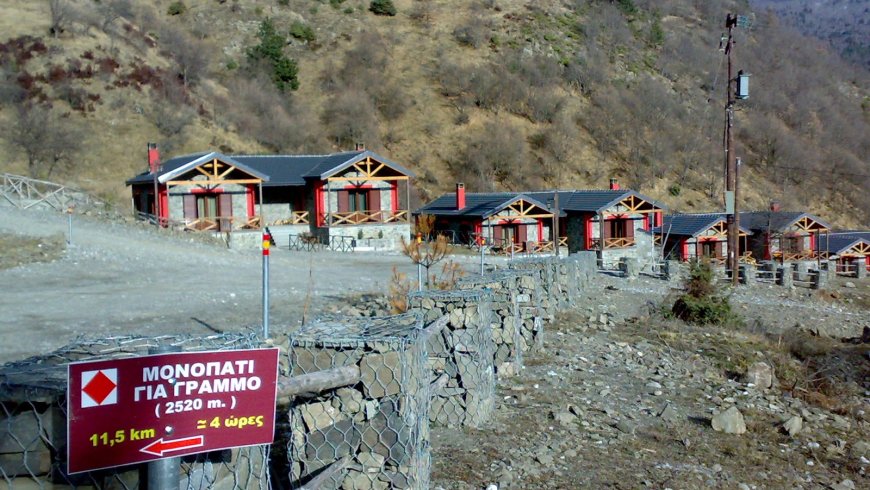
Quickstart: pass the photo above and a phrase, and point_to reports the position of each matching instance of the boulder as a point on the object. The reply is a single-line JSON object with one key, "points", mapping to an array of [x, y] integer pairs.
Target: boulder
{"points": [[730, 422]]}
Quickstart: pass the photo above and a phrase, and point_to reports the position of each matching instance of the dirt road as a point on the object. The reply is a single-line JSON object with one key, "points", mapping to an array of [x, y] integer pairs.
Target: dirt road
{"points": [[128, 279]]}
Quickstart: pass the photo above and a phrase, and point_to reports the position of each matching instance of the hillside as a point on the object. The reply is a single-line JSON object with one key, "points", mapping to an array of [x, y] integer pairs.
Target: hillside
{"points": [[495, 93], [845, 24]]}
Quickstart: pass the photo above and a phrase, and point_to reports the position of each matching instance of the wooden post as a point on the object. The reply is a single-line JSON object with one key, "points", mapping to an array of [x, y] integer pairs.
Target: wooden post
{"points": [[601, 240], [262, 213]]}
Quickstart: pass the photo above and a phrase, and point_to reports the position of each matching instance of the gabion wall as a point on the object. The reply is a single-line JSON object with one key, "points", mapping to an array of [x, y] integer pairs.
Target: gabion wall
{"points": [[460, 356], [382, 422], [33, 418], [505, 321]]}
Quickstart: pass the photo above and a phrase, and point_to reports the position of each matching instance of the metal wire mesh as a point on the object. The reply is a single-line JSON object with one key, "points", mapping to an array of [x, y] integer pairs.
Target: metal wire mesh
{"points": [[506, 323], [460, 356], [33, 419], [379, 427]]}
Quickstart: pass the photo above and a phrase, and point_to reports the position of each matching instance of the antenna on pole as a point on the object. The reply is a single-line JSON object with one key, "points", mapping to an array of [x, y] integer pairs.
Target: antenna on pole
{"points": [[736, 88]]}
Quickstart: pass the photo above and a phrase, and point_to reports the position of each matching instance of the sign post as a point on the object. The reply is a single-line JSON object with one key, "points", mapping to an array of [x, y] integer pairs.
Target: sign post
{"points": [[69, 212], [149, 408], [267, 242]]}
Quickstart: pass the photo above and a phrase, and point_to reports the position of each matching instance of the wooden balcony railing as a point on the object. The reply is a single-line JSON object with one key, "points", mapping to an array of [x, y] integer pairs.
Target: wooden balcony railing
{"points": [[539, 247], [208, 223], [365, 217], [788, 256], [296, 218], [624, 242]]}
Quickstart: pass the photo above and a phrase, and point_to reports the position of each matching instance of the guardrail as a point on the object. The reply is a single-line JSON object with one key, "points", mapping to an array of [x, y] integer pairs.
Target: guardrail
{"points": [[25, 192], [313, 243]]}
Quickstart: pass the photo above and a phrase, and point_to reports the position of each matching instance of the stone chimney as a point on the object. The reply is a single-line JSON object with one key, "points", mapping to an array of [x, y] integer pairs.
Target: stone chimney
{"points": [[360, 147], [614, 184], [153, 158], [460, 196]]}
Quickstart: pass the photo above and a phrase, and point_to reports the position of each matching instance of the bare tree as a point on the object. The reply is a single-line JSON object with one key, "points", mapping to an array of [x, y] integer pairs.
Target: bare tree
{"points": [[192, 56], [48, 142], [112, 10], [61, 11]]}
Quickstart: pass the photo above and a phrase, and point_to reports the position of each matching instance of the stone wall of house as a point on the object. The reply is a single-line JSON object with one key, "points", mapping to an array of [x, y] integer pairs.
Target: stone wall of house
{"points": [[177, 193]]}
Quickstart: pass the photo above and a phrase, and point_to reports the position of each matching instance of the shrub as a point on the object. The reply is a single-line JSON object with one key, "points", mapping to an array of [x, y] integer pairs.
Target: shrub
{"points": [[270, 50], [701, 303], [302, 31], [176, 8], [382, 7]]}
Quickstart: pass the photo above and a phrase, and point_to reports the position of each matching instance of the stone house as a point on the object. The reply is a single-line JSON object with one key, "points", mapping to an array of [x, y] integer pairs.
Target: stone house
{"points": [[687, 236], [354, 194], [783, 235], [845, 249], [507, 221], [622, 217]]}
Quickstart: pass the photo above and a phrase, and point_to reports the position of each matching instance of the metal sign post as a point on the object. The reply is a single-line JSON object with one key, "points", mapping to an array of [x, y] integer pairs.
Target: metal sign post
{"points": [[482, 246], [69, 213], [267, 243], [163, 473]]}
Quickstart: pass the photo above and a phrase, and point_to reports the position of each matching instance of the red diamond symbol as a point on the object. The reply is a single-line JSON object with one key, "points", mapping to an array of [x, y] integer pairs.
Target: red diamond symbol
{"points": [[99, 387]]}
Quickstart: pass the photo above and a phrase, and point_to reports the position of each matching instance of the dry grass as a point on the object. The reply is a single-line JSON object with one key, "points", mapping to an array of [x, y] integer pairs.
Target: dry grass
{"points": [[20, 250]]}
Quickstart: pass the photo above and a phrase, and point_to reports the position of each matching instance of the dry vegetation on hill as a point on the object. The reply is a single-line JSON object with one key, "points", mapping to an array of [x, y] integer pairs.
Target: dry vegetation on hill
{"points": [[497, 93]]}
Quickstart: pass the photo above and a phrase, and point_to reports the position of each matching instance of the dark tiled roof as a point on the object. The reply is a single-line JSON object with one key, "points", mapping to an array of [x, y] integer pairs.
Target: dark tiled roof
{"points": [[776, 220], [592, 200], [837, 243], [483, 203], [691, 224], [284, 170], [477, 204]]}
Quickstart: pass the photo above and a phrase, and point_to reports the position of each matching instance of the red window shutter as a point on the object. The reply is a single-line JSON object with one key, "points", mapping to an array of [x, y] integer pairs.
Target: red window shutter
{"points": [[608, 228], [523, 232], [343, 201], [374, 200], [189, 206], [497, 234], [719, 251], [629, 228], [225, 205]]}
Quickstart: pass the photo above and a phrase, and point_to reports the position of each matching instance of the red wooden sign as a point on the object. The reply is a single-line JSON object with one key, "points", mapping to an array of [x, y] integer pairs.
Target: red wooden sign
{"points": [[125, 411]]}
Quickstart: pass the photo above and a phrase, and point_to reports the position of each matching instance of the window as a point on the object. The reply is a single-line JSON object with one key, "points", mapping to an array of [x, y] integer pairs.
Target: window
{"points": [[358, 200]]}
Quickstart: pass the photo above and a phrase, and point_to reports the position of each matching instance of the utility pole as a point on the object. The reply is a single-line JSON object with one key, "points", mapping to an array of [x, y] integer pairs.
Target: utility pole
{"points": [[736, 88]]}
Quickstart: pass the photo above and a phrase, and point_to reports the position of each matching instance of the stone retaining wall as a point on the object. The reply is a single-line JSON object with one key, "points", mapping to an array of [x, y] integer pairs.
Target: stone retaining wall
{"points": [[506, 326], [380, 423], [460, 356]]}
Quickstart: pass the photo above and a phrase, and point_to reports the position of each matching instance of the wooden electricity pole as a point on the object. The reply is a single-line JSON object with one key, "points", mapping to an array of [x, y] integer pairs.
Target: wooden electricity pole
{"points": [[731, 161]]}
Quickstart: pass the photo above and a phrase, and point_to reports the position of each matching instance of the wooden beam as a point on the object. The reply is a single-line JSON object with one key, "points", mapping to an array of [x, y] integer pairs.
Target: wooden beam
{"points": [[327, 474], [359, 179], [214, 182], [316, 382]]}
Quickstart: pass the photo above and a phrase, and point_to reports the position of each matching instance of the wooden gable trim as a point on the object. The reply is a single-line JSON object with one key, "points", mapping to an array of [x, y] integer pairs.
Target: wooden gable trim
{"points": [[634, 204], [520, 209], [720, 230], [369, 169], [809, 225], [216, 172]]}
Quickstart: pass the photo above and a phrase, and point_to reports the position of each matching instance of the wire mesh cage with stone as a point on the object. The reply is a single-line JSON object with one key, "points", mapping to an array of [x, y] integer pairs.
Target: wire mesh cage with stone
{"points": [[377, 430], [33, 421], [506, 322], [460, 356]]}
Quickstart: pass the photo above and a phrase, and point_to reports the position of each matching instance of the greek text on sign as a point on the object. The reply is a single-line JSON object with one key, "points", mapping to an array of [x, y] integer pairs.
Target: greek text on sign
{"points": [[126, 411]]}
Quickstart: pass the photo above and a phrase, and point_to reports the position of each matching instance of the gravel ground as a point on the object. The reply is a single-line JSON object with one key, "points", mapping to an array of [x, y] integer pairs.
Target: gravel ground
{"points": [[119, 278]]}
